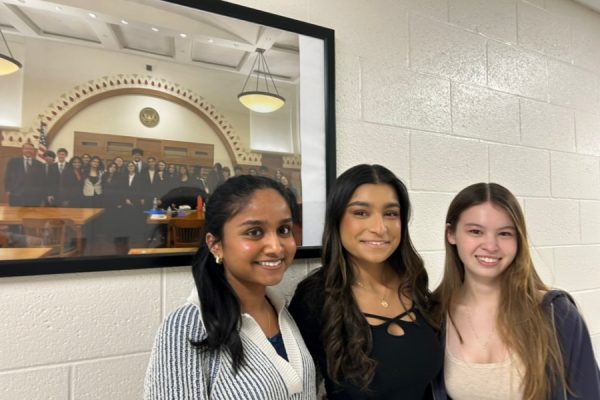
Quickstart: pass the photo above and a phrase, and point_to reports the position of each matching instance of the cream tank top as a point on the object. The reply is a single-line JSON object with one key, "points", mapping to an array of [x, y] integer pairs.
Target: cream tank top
{"points": [[473, 381]]}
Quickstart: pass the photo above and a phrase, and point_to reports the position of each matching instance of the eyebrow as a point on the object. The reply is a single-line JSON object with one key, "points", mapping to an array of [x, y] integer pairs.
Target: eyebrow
{"points": [[253, 222], [481, 226], [367, 204]]}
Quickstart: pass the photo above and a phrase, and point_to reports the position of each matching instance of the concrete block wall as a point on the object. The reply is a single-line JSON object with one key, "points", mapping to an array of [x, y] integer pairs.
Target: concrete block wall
{"points": [[445, 93]]}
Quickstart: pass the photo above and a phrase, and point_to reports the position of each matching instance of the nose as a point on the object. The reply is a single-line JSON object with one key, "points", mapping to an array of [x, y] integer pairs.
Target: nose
{"points": [[273, 245], [490, 242], [378, 224]]}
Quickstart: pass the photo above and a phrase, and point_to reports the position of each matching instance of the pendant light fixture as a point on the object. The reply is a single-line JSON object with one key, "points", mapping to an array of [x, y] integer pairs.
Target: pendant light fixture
{"points": [[261, 100], [8, 64]]}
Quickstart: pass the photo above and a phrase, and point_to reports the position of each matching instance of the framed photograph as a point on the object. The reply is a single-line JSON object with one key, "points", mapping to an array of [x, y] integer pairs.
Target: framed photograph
{"points": [[125, 116]]}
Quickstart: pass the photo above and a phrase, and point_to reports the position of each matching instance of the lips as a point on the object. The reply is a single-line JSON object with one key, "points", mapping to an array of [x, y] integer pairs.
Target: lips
{"points": [[270, 264], [488, 260], [375, 243]]}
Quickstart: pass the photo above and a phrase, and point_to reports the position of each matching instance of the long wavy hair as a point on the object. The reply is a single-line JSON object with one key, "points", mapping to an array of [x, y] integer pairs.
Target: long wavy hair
{"points": [[522, 323], [219, 303], [346, 334]]}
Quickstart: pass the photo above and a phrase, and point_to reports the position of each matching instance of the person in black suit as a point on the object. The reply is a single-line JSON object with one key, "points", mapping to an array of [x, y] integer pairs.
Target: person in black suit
{"points": [[23, 179], [137, 155], [151, 184], [133, 221], [162, 178], [73, 181], [51, 179], [66, 178]]}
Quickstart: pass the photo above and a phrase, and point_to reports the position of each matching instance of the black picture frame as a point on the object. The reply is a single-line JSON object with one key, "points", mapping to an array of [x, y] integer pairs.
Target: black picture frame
{"points": [[43, 266]]}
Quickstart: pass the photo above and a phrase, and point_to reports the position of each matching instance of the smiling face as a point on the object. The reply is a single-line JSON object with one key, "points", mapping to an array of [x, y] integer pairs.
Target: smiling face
{"points": [[257, 245], [486, 242], [62, 156], [76, 163], [370, 229], [28, 150]]}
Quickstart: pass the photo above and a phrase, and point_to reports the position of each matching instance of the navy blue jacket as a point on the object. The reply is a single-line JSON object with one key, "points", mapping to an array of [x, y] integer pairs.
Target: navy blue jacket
{"points": [[583, 375]]}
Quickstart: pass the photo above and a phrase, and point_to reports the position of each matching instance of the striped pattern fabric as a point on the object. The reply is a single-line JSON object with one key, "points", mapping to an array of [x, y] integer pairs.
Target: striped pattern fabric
{"points": [[178, 370]]}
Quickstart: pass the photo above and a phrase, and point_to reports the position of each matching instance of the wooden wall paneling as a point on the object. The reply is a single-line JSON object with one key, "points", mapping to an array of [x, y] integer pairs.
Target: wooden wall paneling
{"points": [[6, 153], [108, 147]]}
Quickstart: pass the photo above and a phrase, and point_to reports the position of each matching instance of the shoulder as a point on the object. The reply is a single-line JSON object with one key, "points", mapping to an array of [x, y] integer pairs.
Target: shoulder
{"points": [[559, 302], [563, 310], [185, 323], [311, 287], [309, 296]]}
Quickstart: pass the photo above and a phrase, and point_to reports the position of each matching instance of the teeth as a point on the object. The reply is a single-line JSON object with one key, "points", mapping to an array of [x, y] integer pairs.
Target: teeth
{"points": [[270, 263], [488, 259]]}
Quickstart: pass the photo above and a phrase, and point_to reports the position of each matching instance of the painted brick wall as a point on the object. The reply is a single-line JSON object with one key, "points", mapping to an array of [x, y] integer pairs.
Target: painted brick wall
{"points": [[445, 93]]}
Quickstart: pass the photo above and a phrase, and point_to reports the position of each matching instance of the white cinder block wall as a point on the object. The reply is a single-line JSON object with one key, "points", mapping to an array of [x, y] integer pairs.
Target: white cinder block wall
{"points": [[445, 93]]}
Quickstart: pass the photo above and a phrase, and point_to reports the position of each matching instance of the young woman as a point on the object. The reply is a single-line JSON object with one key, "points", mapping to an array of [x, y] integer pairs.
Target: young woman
{"points": [[363, 314], [161, 177], [92, 184], [184, 177], [121, 167], [111, 201], [234, 339], [74, 183], [215, 178], [288, 185], [506, 335], [85, 163]]}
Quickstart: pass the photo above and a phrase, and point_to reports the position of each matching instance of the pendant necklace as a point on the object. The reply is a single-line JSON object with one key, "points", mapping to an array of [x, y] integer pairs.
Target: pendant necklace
{"points": [[384, 303], [484, 344]]}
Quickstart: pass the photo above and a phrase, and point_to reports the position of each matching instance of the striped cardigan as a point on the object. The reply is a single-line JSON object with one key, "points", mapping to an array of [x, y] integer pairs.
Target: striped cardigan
{"points": [[178, 370]]}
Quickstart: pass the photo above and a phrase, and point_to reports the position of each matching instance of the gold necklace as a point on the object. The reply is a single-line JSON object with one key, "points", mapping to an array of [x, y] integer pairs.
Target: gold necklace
{"points": [[484, 344], [384, 303]]}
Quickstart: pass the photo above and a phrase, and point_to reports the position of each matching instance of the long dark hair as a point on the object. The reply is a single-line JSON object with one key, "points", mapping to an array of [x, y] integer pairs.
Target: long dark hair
{"points": [[219, 303], [346, 334]]}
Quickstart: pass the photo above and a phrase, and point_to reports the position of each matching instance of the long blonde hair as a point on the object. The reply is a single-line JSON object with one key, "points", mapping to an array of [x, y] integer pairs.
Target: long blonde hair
{"points": [[523, 324]]}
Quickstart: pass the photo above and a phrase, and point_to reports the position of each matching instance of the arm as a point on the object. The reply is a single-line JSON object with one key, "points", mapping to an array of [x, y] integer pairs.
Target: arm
{"points": [[10, 178], [176, 370], [583, 376]]}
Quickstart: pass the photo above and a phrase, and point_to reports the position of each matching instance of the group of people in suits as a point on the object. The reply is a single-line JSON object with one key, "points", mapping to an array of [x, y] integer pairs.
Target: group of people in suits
{"points": [[124, 188]]}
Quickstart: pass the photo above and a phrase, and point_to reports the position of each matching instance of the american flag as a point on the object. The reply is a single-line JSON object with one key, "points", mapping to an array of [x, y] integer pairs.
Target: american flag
{"points": [[42, 143]]}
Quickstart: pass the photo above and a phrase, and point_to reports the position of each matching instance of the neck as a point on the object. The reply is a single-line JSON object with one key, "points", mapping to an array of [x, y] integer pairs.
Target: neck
{"points": [[375, 274], [252, 299], [483, 294]]}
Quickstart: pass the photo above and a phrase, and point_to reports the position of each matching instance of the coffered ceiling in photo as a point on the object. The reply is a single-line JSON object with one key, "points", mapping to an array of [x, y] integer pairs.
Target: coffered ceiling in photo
{"points": [[154, 29]]}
